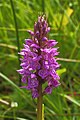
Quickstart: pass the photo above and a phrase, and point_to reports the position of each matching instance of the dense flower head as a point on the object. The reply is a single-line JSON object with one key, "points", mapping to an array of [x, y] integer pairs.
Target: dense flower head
{"points": [[39, 60]]}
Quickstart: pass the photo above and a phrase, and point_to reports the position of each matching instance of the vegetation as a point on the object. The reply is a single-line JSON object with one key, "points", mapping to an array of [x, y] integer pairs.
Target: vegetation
{"points": [[18, 16]]}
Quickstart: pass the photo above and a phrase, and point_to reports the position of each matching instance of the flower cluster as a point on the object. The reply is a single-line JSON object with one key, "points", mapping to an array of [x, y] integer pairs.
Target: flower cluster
{"points": [[39, 62]]}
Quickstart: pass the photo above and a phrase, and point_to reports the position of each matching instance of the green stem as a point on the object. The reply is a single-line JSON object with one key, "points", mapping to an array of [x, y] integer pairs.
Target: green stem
{"points": [[39, 102], [43, 6], [42, 111], [17, 35]]}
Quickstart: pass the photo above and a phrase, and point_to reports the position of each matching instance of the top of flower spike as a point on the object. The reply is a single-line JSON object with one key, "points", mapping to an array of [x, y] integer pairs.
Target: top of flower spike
{"points": [[40, 29], [39, 63]]}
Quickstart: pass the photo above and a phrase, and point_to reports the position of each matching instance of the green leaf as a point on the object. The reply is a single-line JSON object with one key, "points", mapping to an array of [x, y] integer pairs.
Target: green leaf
{"points": [[70, 99], [61, 71]]}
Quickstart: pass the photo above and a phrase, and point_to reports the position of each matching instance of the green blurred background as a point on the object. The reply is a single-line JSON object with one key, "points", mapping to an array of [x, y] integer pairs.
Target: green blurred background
{"points": [[18, 16]]}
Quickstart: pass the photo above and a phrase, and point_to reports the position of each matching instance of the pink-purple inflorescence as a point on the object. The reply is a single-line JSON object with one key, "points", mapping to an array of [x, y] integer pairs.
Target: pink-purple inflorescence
{"points": [[39, 62]]}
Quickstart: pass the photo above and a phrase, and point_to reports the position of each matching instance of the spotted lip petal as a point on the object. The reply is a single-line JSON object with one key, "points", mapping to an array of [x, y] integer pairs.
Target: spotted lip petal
{"points": [[39, 59], [48, 90], [29, 42]]}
